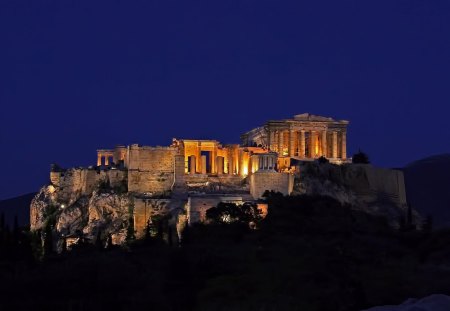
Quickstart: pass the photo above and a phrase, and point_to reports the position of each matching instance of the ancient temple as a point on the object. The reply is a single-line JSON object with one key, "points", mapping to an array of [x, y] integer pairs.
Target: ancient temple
{"points": [[266, 151], [303, 137]]}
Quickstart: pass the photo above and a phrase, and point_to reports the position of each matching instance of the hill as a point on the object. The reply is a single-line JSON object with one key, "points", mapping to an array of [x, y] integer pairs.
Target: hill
{"points": [[17, 206], [427, 187]]}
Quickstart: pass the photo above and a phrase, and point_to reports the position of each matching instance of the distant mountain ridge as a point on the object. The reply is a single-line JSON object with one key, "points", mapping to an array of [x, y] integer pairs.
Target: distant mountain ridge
{"points": [[17, 206], [428, 187]]}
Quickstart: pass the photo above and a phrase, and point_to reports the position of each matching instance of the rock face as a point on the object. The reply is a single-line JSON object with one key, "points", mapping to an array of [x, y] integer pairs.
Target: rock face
{"points": [[431, 303], [100, 213], [97, 204], [375, 190]]}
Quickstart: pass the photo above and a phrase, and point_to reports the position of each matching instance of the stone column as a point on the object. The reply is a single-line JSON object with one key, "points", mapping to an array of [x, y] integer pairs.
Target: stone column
{"points": [[219, 165], [198, 158], [324, 143], [335, 145], [344, 145], [99, 159], [106, 160], [302, 144], [192, 164], [291, 143], [280, 142], [230, 164], [312, 144], [213, 156], [272, 140], [203, 164]]}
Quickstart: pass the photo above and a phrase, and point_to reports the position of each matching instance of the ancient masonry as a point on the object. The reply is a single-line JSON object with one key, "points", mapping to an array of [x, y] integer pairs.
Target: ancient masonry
{"points": [[194, 175]]}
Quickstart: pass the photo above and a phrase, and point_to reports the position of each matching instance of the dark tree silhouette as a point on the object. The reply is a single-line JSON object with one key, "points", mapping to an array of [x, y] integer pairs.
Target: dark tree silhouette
{"points": [[360, 158], [323, 160]]}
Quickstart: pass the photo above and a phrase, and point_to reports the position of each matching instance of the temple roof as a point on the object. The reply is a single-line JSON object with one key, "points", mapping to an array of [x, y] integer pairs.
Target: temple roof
{"points": [[311, 117]]}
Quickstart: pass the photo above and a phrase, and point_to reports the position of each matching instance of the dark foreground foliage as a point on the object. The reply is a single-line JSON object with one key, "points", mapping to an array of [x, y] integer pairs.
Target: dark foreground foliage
{"points": [[310, 253]]}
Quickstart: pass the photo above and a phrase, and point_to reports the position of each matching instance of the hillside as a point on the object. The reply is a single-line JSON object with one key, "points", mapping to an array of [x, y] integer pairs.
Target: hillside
{"points": [[427, 187], [307, 249], [17, 206]]}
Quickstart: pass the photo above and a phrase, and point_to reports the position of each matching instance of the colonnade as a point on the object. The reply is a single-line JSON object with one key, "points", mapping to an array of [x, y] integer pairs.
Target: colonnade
{"points": [[104, 154], [329, 143]]}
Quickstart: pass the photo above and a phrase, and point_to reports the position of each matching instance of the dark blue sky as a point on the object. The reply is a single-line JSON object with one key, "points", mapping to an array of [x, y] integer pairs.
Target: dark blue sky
{"points": [[77, 77]]}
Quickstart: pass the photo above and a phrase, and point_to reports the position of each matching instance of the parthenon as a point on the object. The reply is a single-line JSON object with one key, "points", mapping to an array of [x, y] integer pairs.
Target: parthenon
{"points": [[303, 137]]}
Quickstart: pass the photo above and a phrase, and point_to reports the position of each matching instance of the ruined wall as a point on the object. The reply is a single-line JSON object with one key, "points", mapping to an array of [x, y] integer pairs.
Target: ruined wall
{"points": [[156, 159], [371, 183], [151, 169], [272, 181], [73, 183], [152, 182]]}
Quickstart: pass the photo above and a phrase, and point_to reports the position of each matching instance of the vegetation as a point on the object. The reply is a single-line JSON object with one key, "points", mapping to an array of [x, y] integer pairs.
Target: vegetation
{"points": [[323, 160], [226, 213], [360, 158], [309, 253]]}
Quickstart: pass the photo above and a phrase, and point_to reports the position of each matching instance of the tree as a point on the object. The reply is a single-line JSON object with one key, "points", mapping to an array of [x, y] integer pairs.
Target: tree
{"points": [[323, 160], [47, 239], [98, 241], [427, 226], [226, 213], [360, 158]]}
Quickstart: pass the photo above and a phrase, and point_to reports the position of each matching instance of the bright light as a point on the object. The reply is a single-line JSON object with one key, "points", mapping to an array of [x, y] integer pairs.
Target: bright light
{"points": [[63, 206]]}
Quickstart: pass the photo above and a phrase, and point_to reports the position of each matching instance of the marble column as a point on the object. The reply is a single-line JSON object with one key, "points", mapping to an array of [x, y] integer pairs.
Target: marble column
{"points": [[230, 164], [192, 163], [302, 145], [213, 156], [272, 140], [344, 145], [280, 142], [335, 145], [203, 164], [106, 160], [291, 143], [312, 144], [324, 143], [99, 159], [219, 165]]}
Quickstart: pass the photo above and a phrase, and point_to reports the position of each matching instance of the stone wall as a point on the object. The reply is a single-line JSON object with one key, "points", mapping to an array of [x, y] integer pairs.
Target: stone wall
{"points": [[151, 169], [155, 159], [371, 183], [73, 183], [151, 182], [272, 181]]}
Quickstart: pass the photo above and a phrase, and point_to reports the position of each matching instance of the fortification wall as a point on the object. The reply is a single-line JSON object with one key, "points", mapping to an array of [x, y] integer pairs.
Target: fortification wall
{"points": [[272, 181], [155, 159], [370, 182], [151, 169], [154, 182], [71, 184]]}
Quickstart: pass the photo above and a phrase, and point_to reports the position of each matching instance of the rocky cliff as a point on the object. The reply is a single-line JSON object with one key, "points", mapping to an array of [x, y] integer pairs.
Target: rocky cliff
{"points": [[376, 190], [101, 213], [89, 204]]}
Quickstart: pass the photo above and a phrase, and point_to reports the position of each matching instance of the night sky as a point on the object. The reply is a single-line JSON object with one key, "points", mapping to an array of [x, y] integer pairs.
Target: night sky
{"points": [[75, 77]]}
